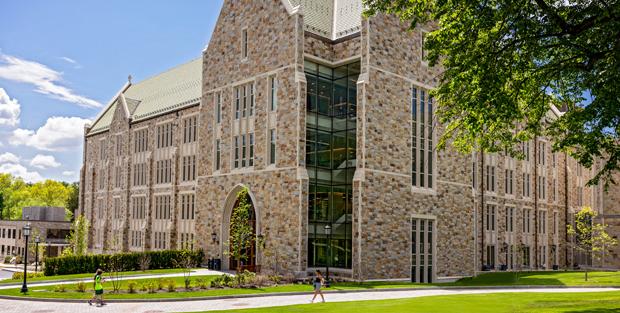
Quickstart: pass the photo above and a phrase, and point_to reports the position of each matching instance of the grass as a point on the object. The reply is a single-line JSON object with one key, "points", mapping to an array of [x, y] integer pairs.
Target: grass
{"points": [[487, 279], [88, 275], [600, 302]]}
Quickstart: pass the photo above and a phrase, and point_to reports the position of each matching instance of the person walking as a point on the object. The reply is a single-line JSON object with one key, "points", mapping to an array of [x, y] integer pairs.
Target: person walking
{"points": [[317, 282], [98, 286]]}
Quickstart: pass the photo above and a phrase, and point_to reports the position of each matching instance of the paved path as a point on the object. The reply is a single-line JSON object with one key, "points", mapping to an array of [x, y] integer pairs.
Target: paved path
{"points": [[196, 272], [16, 306]]}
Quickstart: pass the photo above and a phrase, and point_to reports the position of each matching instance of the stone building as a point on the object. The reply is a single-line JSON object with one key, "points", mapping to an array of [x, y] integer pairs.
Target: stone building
{"points": [[47, 223], [325, 117]]}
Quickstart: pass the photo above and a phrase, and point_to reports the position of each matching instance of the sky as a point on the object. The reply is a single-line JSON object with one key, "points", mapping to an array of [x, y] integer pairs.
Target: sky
{"points": [[62, 61]]}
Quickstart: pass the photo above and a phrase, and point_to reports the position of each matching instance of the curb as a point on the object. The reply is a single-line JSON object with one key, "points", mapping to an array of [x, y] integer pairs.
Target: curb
{"points": [[299, 293]]}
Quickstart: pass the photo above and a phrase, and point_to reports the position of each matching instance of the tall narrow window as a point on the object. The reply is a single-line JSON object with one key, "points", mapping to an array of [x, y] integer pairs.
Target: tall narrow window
{"points": [[236, 151], [272, 146], [217, 154], [244, 100], [251, 160], [218, 108], [422, 139], [243, 150], [244, 43], [490, 178], [251, 98], [273, 94], [237, 102]]}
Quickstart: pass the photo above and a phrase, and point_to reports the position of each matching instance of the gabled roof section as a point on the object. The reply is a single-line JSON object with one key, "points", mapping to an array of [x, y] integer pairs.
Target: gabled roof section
{"points": [[171, 90], [332, 19]]}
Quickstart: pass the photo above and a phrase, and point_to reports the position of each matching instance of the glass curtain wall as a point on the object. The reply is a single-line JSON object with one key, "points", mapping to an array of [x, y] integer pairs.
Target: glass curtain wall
{"points": [[330, 160]]}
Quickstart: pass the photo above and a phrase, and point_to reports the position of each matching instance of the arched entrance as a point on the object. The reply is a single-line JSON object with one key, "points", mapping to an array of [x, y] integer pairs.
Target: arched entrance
{"points": [[251, 253]]}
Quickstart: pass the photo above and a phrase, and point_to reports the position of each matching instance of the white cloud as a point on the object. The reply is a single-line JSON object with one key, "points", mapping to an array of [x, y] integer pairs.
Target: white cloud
{"points": [[9, 157], [46, 80], [68, 173], [44, 161], [58, 134], [69, 60], [20, 171], [9, 110]]}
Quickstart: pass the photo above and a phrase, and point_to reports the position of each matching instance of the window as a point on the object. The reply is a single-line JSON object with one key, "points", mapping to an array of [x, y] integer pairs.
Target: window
{"points": [[189, 129], [218, 152], [490, 256], [580, 196], [273, 93], [187, 206], [236, 151], [526, 256], [119, 145], [164, 135], [162, 207], [422, 42], [140, 141], [510, 218], [490, 178], [218, 108], [250, 88], [117, 177], [422, 152], [473, 173], [542, 184], [554, 192], [555, 223], [138, 205], [272, 146], [139, 174], [526, 221], [542, 153], [117, 208], [526, 185], [508, 181], [553, 159], [422, 250], [189, 168], [251, 159], [163, 171], [237, 102], [526, 150], [244, 43], [542, 222], [490, 217], [243, 150]]}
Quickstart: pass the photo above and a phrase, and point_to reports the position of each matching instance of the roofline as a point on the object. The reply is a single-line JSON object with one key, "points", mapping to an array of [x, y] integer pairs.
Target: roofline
{"points": [[110, 103]]}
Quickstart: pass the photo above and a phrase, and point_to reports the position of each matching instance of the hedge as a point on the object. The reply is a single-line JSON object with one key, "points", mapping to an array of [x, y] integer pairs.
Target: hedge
{"points": [[130, 261]]}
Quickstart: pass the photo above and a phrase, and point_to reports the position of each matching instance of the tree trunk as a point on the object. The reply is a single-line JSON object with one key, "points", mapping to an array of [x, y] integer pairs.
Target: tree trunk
{"points": [[586, 274]]}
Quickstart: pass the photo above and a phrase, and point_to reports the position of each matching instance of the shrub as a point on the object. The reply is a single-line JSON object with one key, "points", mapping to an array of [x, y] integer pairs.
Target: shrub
{"points": [[131, 286], [60, 288], [187, 283], [151, 286], [7, 259], [276, 279], [218, 282], [244, 278], [172, 285], [160, 283], [131, 261], [80, 287], [144, 286], [20, 275], [202, 283], [261, 281]]}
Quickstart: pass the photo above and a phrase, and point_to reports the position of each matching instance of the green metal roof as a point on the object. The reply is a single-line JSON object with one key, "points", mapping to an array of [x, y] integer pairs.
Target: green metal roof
{"points": [[171, 90], [332, 19]]}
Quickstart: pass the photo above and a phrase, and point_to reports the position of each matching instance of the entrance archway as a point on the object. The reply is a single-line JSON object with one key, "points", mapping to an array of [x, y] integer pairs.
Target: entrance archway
{"points": [[252, 254]]}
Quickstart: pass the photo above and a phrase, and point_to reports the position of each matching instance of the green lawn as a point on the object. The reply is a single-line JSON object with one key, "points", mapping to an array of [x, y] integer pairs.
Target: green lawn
{"points": [[603, 302], [488, 279], [87, 275]]}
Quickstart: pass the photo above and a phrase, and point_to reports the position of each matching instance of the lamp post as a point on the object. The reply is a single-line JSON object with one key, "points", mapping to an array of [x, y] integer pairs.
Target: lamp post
{"points": [[37, 240], [328, 232], [26, 232]]}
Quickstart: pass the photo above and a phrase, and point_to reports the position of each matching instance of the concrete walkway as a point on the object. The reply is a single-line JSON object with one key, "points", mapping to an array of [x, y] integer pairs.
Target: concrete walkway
{"points": [[18, 306], [196, 272]]}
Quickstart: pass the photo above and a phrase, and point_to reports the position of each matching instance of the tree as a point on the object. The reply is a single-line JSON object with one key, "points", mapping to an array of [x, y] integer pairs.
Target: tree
{"points": [[186, 262], [505, 63], [590, 237], [78, 237], [73, 200], [241, 232]]}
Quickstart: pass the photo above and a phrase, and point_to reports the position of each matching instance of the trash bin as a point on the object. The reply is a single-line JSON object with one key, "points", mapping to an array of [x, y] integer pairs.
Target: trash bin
{"points": [[217, 264]]}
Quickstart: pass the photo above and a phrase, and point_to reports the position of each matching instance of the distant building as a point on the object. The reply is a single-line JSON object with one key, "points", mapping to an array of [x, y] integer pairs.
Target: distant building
{"points": [[325, 116], [49, 223]]}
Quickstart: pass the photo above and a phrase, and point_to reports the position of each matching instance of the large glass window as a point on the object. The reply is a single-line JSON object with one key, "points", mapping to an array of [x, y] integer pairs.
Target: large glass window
{"points": [[331, 161]]}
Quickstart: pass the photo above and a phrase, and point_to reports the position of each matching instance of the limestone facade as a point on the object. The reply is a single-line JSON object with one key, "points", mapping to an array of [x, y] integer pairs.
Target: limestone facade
{"points": [[244, 140]]}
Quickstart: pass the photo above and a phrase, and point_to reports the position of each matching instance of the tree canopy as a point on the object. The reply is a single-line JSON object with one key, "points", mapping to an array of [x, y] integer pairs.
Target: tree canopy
{"points": [[16, 194], [506, 62]]}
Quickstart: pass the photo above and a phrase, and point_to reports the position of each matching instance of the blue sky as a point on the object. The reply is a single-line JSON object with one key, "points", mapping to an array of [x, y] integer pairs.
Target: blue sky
{"points": [[62, 61]]}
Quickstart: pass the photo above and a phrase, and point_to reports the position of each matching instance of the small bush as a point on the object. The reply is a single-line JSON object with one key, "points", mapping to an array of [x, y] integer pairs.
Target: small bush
{"points": [[261, 281], [218, 282], [80, 287], [20, 275], [60, 288], [276, 279], [7, 259], [132, 286], [144, 287], [161, 283], [151, 286], [172, 285], [202, 283]]}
